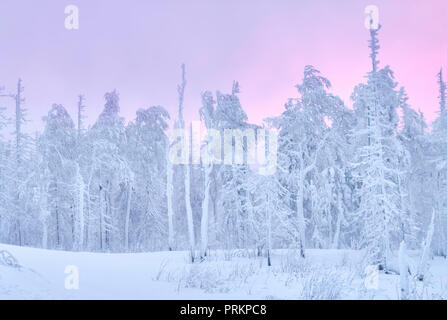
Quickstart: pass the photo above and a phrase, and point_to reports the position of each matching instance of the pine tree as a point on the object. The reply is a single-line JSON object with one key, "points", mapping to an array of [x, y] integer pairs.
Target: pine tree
{"points": [[110, 171], [145, 221], [19, 169], [81, 108], [442, 92], [57, 145], [376, 166], [413, 182], [438, 158]]}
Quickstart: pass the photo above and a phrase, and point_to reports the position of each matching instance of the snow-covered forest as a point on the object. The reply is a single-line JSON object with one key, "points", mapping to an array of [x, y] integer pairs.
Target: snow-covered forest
{"points": [[371, 178]]}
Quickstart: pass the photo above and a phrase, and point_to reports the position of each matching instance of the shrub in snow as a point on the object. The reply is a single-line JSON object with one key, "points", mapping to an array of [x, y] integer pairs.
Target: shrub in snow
{"points": [[8, 259], [213, 276], [325, 284]]}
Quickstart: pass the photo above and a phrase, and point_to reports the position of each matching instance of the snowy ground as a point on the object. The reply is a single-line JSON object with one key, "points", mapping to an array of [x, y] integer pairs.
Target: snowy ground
{"points": [[324, 274]]}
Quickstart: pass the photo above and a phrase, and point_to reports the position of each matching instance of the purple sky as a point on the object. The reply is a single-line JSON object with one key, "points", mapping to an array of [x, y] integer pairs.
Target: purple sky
{"points": [[137, 47]]}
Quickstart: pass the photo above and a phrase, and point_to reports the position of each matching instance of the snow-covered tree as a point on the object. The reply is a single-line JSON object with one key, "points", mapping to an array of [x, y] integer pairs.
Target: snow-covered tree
{"points": [[442, 92], [303, 134], [437, 157], [207, 114], [17, 172], [413, 182], [232, 177], [187, 169], [81, 116], [376, 166], [58, 145], [111, 175], [145, 222]]}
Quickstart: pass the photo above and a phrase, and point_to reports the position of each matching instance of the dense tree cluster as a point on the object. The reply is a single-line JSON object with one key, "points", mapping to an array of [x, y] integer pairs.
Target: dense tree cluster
{"points": [[367, 177]]}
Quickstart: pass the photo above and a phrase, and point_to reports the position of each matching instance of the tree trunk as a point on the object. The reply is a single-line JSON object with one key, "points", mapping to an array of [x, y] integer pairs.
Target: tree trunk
{"points": [[205, 212], [336, 240], [81, 187], [189, 211], [169, 191], [300, 215], [269, 232], [422, 267], [403, 271], [126, 228]]}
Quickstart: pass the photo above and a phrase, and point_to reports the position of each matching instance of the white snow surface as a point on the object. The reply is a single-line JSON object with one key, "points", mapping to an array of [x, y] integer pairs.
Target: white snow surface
{"points": [[237, 274]]}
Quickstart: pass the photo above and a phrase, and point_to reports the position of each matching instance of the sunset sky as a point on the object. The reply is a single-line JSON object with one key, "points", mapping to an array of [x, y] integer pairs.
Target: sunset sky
{"points": [[138, 46]]}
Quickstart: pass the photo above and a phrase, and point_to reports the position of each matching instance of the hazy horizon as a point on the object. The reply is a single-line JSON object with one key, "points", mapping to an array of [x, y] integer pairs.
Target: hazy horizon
{"points": [[138, 47]]}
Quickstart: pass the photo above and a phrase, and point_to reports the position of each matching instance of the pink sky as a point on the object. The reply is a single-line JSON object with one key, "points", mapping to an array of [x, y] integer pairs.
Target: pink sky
{"points": [[137, 47]]}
